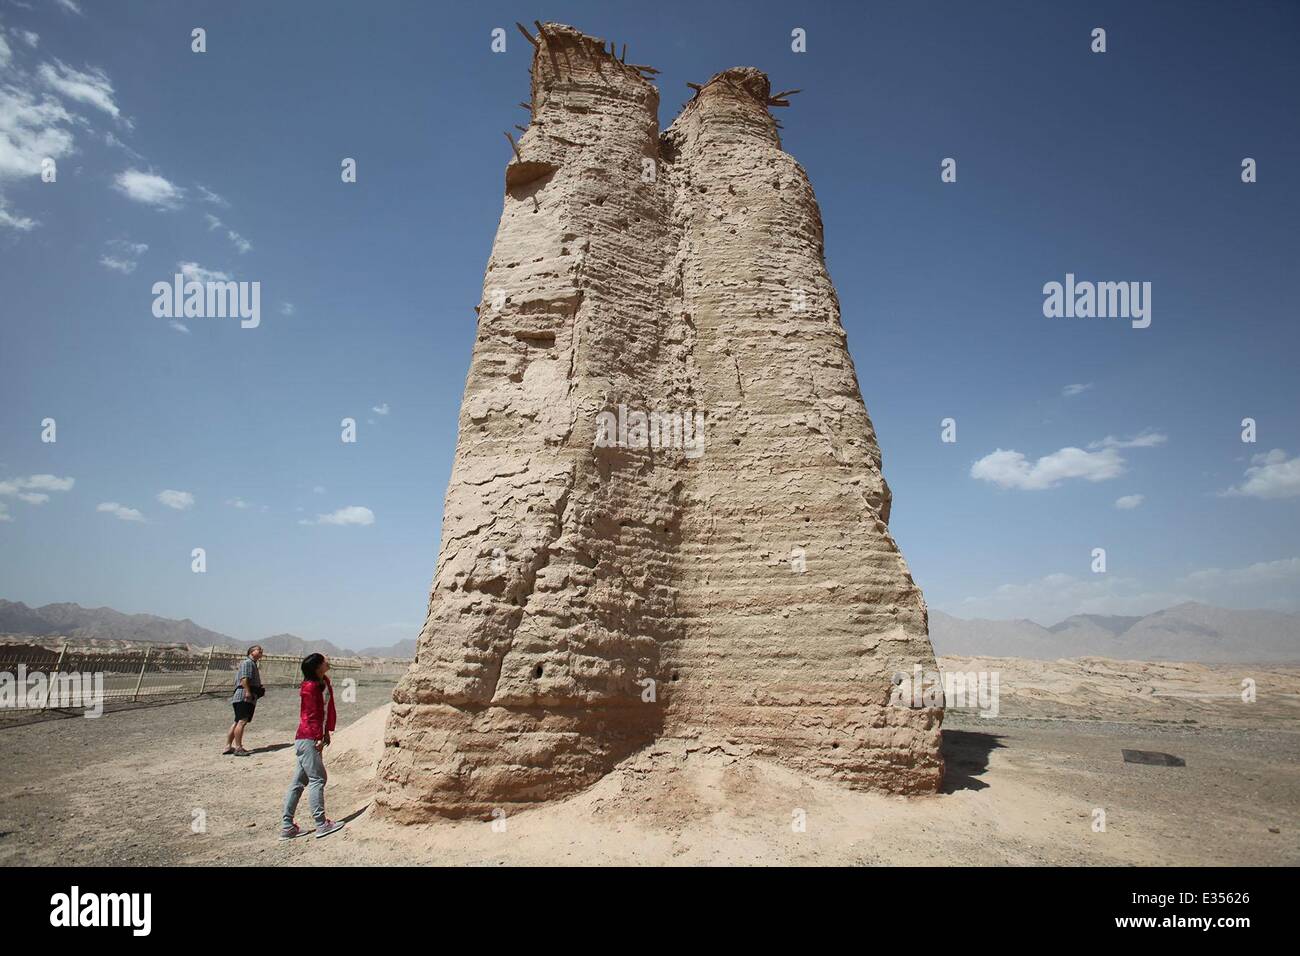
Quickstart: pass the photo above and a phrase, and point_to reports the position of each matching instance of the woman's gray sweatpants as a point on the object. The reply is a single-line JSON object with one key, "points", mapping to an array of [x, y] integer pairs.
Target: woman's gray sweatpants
{"points": [[311, 775]]}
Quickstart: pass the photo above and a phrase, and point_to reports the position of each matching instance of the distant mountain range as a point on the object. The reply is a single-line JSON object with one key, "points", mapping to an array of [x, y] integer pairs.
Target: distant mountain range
{"points": [[1186, 632], [292, 644], [77, 623], [102, 623]]}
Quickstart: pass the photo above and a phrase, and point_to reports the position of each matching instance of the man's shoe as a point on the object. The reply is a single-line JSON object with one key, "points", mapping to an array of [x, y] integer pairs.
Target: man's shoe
{"points": [[291, 832], [328, 827]]}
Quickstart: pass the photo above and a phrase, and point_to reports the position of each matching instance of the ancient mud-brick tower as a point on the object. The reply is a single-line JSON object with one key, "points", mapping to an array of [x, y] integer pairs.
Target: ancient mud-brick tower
{"points": [[756, 584]]}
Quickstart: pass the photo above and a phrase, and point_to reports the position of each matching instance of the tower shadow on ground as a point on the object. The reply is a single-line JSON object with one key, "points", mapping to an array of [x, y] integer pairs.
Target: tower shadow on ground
{"points": [[966, 758]]}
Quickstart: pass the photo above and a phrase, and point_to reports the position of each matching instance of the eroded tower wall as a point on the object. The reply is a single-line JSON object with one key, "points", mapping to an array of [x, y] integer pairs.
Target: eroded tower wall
{"points": [[569, 574]]}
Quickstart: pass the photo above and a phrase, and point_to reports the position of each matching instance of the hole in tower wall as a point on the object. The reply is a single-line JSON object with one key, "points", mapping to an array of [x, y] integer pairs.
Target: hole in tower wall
{"points": [[524, 179], [537, 671], [538, 338]]}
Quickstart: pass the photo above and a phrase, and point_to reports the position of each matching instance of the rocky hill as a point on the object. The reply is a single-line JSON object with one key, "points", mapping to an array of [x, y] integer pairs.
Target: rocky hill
{"points": [[104, 626], [1186, 632]]}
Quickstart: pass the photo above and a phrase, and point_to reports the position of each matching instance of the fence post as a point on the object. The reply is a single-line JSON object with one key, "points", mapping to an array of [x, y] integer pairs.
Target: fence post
{"points": [[207, 664], [143, 664], [57, 667]]}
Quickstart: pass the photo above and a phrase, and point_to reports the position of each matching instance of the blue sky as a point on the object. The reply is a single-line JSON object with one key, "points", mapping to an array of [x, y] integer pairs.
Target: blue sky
{"points": [[1118, 166]]}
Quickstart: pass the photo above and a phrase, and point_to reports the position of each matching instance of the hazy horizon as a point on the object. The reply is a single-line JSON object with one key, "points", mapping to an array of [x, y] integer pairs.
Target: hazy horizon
{"points": [[357, 644]]}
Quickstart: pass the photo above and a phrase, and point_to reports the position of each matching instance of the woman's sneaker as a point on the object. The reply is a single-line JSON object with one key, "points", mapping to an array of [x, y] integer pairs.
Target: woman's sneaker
{"points": [[290, 832], [328, 827]]}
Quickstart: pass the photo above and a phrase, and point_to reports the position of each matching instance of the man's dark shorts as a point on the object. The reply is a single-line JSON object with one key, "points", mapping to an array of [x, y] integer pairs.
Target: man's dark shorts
{"points": [[244, 710]]}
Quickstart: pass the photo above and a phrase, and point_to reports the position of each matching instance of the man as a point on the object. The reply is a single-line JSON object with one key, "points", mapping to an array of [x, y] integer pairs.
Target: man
{"points": [[248, 687]]}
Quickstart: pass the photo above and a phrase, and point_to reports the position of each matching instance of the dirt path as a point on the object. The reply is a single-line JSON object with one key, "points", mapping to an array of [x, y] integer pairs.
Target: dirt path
{"points": [[125, 789]]}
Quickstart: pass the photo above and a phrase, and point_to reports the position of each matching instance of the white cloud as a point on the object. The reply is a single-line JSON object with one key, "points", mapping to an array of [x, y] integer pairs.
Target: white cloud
{"points": [[178, 500], [51, 482], [351, 515], [286, 308], [238, 503], [92, 87], [69, 5], [35, 125], [35, 483], [1266, 584], [380, 409], [240, 243], [33, 489], [208, 196], [124, 266], [318, 489], [193, 272], [1262, 572], [149, 188], [32, 128], [134, 248], [121, 512], [122, 255], [10, 221], [1011, 469], [27, 36], [1146, 439], [1270, 475], [1071, 390], [112, 140], [1129, 502], [1058, 596], [179, 326]]}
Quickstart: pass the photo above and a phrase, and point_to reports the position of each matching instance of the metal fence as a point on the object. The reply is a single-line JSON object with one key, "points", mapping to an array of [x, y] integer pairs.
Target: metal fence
{"points": [[133, 675]]}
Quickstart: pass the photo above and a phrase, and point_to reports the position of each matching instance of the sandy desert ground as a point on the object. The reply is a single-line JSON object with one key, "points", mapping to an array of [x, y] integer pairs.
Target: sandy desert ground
{"points": [[1021, 788]]}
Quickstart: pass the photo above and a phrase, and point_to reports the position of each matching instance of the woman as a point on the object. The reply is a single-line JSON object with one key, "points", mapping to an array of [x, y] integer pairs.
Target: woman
{"points": [[316, 720]]}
